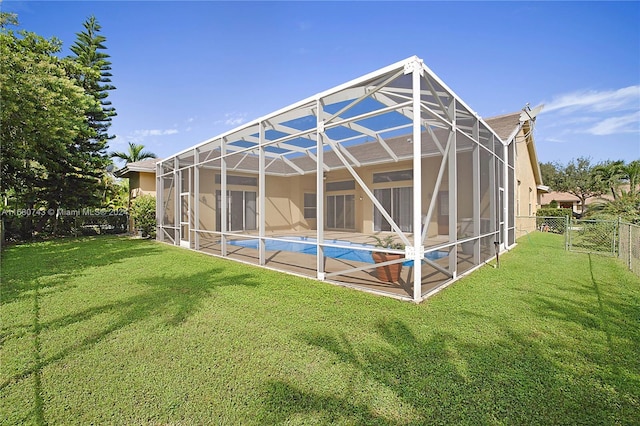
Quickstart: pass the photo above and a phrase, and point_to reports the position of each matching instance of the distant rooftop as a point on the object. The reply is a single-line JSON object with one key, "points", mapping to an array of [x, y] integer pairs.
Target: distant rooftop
{"points": [[148, 165]]}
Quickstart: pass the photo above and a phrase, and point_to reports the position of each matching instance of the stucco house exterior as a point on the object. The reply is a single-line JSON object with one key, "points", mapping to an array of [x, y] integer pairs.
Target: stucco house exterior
{"points": [[395, 153], [530, 191], [142, 180], [142, 177]]}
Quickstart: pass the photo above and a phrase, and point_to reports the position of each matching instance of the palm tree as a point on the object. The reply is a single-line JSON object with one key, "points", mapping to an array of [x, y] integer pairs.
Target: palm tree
{"points": [[135, 153], [610, 174], [632, 172]]}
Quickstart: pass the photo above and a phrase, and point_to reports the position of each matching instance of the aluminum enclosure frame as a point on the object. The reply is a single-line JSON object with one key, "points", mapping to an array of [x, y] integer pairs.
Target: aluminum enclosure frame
{"points": [[399, 117]]}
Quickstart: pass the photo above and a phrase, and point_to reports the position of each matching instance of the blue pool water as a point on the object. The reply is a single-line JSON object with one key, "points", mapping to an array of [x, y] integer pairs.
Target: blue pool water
{"points": [[292, 244]]}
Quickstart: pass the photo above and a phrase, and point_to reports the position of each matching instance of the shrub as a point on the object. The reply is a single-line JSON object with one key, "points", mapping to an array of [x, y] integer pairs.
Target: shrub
{"points": [[557, 225], [553, 212], [143, 213]]}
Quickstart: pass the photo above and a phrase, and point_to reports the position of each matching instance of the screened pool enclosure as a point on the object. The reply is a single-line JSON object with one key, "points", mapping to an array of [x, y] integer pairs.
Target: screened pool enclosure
{"points": [[394, 154]]}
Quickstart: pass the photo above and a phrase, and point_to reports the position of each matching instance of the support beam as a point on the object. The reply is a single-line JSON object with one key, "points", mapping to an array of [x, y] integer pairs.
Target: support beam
{"points": [[223, 197], [436, 188], [370, 91], [196, 201], [436, 95], [293, 165], [319, 195], [477, 222], [368, 132], [418, 248], [367, 191], [505, 203], [176, 201], [261, 196], [159, 195], [453, 201]]}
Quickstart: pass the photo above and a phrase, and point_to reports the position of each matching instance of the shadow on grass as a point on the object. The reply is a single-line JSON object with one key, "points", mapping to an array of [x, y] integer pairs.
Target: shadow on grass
{"points": [[545, 373], [440, 378], [58, 260], [600, 304], [167, 301]]}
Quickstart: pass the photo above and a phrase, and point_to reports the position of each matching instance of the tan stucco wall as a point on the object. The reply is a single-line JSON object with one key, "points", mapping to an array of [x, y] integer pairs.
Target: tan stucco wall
{"points": [[207, 200], [142, 183], [525, 190]]}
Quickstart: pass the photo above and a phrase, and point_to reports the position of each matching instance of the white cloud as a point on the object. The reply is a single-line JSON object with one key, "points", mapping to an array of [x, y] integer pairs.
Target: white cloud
{"points": [[629, 123], [596, 101], [233, 119], [597, 113], [138, 136], [555, 140], [154, 132]]}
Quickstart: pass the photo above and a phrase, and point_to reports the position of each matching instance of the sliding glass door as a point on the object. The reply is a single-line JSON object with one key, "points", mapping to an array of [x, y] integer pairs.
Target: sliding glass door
{"points": [[398, 202], [341, 212], [241, 210]]}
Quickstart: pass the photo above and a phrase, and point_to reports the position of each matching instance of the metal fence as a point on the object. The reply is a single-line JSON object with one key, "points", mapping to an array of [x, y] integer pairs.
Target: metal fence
{"points": [[13, 228], [614, 238], [629, 246], [593, 236], [554, 224]]}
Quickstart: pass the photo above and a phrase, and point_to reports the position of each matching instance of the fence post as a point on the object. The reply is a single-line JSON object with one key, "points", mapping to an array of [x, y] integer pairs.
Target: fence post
{"points": [[630, 243], [616, 232], [566, 233]]}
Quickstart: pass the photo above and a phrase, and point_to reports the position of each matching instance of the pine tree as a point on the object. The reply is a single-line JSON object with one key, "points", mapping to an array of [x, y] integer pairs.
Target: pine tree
{"points": [[43, 114], [88, 51]]}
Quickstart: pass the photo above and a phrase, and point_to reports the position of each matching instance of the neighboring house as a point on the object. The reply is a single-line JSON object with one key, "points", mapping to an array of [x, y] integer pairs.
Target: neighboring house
{"points": [[566, 200], [142, 181], [303, 189], [142, 177]]}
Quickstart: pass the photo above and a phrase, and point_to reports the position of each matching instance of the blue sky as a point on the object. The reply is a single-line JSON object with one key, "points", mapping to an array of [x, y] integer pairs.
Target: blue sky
{"points": [[188, 71]]}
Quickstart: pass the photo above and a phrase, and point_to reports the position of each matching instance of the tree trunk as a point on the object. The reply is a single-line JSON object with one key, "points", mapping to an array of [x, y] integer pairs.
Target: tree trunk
{"points": [[583, 202]]}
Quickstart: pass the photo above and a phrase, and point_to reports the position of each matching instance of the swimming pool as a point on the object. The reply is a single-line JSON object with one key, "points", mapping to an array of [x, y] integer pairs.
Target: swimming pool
{"points": [[292, 244]]}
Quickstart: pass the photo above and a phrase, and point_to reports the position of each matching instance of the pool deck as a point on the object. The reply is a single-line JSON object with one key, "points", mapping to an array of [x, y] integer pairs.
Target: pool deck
{"points": [[305, 264]]}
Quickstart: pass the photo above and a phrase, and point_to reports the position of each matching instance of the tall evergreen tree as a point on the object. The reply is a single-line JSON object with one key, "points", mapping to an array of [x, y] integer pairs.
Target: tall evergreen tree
{"points": [[43, 114], [77, 182], [88, 51]]}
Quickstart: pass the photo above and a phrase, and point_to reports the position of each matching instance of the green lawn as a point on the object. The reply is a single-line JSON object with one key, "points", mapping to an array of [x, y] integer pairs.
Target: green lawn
{"points": [[123, 331]]}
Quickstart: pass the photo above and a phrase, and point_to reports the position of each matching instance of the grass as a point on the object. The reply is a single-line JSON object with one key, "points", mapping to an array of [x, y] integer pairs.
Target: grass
{"points": [[122, 331]]}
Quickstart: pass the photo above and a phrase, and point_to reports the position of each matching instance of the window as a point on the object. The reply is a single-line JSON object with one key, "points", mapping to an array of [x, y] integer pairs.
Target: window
{"points": [[238, 180], [341, 212], [341, 186], [398, 202], [309, 206], [393, 176]]}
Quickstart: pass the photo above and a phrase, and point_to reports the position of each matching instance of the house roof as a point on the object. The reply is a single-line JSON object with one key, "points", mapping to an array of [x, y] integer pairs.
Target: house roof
{"points": [[505, 125], [508, 127], [563, 197], [148, 166]]}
